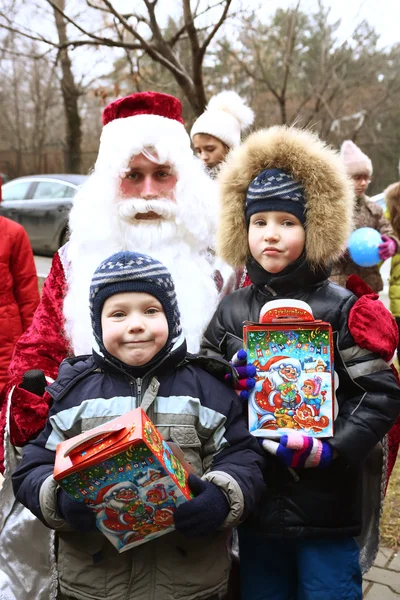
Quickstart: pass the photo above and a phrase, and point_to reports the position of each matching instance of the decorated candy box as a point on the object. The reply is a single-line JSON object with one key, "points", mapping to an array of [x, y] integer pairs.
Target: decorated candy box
{"points": [[293, 356], [126, 472]]}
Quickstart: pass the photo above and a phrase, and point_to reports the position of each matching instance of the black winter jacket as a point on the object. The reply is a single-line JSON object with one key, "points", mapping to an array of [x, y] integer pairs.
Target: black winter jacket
{"points": [[315, 502]]}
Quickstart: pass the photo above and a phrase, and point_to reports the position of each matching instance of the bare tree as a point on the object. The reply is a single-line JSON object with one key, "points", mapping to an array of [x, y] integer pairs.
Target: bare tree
{"points": [[70, 92], [30, 104], [141, 31]]}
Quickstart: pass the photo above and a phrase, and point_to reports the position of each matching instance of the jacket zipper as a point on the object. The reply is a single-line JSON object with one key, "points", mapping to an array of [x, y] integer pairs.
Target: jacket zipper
{"points": [[136, 389], [139, 390]]}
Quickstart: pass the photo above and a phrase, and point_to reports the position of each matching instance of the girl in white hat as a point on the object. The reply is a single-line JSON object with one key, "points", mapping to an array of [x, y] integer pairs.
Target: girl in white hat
{"points": [[219, 129]]}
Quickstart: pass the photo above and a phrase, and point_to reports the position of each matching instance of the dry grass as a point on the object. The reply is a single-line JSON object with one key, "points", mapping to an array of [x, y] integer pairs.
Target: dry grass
{"points": [[390, 525]]}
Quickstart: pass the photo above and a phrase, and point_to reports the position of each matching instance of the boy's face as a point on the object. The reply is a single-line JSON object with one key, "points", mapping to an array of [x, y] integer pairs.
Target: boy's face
{"points": [[134, 327], [276, 239]]}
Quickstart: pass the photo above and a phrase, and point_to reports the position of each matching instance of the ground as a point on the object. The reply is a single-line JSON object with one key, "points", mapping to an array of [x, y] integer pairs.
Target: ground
{"points": [[390, 525]]}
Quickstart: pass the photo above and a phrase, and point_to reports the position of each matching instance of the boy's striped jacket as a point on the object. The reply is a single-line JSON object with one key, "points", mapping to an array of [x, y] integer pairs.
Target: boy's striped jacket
{"points": [[190, 407]]}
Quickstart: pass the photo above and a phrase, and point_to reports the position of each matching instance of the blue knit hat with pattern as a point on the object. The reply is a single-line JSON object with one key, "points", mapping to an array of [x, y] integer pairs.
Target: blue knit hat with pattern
{"points": [[275, 189], [133, 272]]}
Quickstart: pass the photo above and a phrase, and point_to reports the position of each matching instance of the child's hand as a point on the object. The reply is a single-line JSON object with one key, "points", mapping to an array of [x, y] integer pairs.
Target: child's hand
{"points": [[388, 248], [78, 516], [34, 381], [246, 374], [297, 450], [204, 513]]}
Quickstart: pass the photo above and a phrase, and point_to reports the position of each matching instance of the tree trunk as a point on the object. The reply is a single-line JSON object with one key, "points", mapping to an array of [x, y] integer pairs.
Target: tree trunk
{"points": [[70, 94]]}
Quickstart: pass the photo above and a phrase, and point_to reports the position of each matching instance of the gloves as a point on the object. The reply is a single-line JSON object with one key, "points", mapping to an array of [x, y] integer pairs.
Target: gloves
{"points": [[204, 513], [297, 450], [78, 516], [34, 381], [246, 374], [387, 248], [370, 323]]}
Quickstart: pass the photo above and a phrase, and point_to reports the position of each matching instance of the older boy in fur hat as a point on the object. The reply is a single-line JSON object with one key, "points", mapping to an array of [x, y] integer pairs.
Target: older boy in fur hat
{"points": [[286, 213], [140, 359]]}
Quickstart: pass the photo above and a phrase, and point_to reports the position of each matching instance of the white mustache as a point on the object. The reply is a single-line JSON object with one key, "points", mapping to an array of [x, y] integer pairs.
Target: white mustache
{"points": [[130, 207]]}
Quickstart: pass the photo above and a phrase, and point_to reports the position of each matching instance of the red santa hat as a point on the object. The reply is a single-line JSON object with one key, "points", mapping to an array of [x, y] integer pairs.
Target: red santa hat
{"points": [[141, 120], [274, 363]]}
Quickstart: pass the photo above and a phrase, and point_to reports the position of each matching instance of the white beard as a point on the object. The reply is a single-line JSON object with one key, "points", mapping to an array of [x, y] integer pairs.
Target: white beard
{"points": [[170, 240]]}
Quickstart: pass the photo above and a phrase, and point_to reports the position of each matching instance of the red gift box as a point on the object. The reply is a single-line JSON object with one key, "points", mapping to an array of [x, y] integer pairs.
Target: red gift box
{"points": [[293, 356], [127, 473]]}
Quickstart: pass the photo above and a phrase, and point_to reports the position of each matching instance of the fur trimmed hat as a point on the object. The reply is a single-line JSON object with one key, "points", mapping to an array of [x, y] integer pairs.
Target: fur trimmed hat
{"points": [[145, 119], [355, 161], [318, 168], [225, 117]]}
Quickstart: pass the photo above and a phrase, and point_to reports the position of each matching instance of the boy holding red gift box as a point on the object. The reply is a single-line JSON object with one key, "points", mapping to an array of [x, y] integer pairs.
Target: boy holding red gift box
{"points": [[141, 360], [286, 212]]}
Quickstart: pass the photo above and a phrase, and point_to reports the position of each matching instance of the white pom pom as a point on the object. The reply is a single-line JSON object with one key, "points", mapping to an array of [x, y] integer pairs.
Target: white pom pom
{"points": [[233, 104]]}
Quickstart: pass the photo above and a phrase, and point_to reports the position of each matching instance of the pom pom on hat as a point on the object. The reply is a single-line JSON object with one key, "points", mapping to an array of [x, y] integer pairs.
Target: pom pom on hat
{"points": [[144, 103], [355, 161], [231, 103], [225, 117]]}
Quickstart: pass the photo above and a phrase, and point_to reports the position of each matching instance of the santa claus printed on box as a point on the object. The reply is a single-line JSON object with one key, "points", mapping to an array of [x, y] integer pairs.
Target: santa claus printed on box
{"points": [[178, 232]]}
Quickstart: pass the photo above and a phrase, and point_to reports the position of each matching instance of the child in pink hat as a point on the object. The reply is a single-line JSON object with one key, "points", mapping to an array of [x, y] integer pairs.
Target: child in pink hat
{"points": [[366, 214]]}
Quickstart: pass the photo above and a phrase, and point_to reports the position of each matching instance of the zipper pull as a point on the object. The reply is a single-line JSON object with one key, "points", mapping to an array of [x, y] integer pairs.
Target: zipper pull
{"points": [[139, 389]]}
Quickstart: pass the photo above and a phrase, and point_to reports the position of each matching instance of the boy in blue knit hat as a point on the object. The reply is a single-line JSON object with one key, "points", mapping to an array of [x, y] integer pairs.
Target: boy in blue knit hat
{"points": [[141, 360], [286, 208]]}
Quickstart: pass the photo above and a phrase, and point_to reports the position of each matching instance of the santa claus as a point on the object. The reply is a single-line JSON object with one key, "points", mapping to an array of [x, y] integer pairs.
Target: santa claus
{"points": [[149, 193], [279, 389]]}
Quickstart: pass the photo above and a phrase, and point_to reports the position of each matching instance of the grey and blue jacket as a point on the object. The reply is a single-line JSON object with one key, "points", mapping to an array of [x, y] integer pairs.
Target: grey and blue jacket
{"points": [[191, 407]]}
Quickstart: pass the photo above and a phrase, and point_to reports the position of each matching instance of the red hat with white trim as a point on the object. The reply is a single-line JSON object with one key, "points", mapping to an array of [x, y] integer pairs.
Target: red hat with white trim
{"points": [[277, 361], [143, 120]]}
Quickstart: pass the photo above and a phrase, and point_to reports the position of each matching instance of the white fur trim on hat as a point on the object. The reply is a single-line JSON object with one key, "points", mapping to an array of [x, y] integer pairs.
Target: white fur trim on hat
{"points": [[355, 161], [123, 138], [224, 118]]}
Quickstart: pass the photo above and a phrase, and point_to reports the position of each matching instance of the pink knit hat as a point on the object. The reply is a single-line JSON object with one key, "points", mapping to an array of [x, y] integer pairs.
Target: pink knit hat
{"points": [[355, 161]]}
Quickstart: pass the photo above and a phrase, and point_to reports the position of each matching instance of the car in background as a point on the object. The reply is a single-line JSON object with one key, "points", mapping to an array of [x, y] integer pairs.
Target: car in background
{"points": [[41, 204], [379, 199]]}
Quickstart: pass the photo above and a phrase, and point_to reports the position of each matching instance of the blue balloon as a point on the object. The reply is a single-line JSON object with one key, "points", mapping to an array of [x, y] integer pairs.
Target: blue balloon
{"points": [[363, 246]]}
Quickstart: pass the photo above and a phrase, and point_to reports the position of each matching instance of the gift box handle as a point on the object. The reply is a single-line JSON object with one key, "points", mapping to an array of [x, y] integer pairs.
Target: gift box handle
{"points": [[104, 438]]}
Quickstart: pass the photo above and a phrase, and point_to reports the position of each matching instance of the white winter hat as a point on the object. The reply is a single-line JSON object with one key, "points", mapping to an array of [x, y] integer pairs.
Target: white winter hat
{"points": [[224, 118], [355, 161]]}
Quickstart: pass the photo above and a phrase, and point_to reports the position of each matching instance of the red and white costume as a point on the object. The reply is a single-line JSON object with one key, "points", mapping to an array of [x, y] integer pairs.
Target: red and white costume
{"points": [[101, 225]]}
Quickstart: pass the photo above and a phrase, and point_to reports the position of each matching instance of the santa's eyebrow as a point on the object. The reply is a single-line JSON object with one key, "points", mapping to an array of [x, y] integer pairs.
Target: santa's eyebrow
{"points": [[166, 166]]}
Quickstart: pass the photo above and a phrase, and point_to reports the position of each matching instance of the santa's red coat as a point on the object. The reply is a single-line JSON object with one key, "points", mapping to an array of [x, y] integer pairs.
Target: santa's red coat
{"points": [[43, 346]]}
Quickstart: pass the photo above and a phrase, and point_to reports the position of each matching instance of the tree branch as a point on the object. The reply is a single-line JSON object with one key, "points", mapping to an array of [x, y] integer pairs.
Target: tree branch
{"points": [[216, 27]]}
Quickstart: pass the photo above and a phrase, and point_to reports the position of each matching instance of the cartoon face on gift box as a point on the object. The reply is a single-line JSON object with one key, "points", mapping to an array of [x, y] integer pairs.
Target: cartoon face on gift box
{"points": [[164, 517]]}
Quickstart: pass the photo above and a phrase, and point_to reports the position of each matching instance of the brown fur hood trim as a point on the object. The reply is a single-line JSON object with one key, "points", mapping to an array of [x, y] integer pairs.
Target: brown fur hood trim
{"points": [[392, 195], [329, 193]]}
